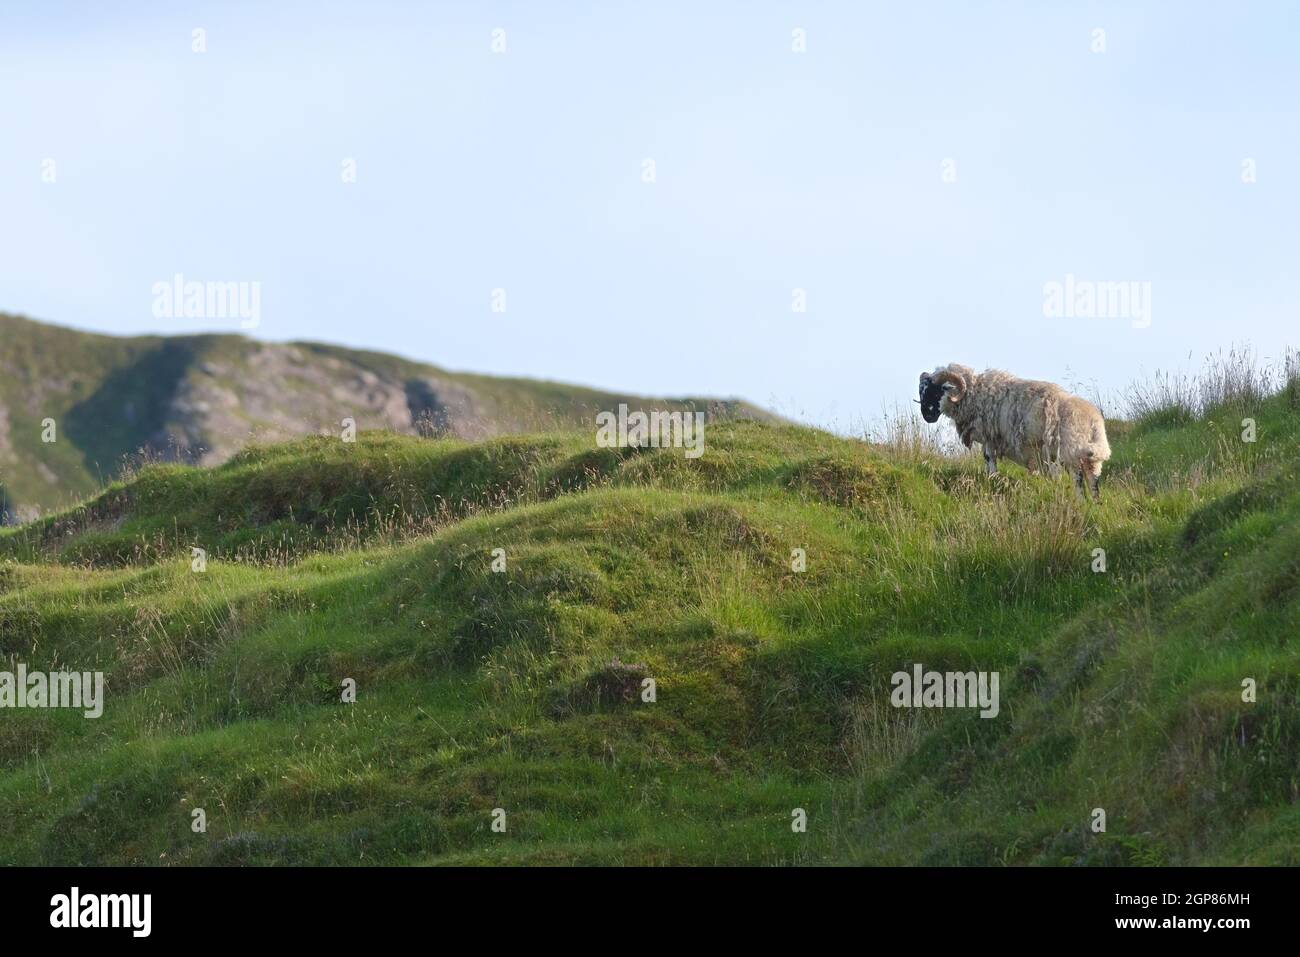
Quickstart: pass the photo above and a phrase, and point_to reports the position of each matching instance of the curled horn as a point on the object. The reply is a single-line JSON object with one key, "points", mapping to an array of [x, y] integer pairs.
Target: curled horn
{"points": [[958, 383]]}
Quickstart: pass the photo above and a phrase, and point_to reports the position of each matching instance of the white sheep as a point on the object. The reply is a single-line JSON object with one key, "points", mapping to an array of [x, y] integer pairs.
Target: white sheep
{"points": [[1036, 424]]}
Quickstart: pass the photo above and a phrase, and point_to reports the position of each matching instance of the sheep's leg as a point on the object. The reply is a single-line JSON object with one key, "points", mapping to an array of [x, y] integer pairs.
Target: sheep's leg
{"points": [[990, 460], [1096, 486], [1078, 483]]}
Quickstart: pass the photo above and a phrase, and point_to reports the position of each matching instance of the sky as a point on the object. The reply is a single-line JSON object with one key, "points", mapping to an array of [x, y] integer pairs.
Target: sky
{"points": [[913, 175]]}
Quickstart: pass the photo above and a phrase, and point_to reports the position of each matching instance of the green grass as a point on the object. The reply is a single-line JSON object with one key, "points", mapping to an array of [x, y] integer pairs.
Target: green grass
{"points": [[521, 690]]}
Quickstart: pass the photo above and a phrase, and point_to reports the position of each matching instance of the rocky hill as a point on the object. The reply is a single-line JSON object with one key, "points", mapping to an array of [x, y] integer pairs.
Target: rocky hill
{"points": [[201, 398]]}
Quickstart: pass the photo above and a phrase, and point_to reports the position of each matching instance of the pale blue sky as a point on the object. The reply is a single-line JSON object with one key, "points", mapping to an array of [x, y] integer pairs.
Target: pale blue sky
{"points": [[775, 170]]}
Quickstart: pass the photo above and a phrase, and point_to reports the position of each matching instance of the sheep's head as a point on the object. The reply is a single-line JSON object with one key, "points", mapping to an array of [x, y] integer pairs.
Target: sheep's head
{"points": [[931, 393], [934, 387]]}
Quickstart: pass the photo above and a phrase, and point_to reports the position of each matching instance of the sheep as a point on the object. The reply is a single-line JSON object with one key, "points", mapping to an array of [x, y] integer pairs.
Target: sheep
{"points": [[1036, 424]]}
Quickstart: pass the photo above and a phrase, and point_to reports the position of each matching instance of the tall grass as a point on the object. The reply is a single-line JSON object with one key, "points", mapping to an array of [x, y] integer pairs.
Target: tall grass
{"points": [[906, 438], [1235, 381]]}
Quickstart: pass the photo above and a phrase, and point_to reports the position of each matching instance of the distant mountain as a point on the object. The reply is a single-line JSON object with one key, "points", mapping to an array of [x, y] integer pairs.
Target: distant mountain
{"points": [[201, 398]]}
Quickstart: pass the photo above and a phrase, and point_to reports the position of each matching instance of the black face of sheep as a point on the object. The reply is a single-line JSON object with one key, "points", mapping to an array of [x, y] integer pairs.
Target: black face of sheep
{"points": [[931, 393]]}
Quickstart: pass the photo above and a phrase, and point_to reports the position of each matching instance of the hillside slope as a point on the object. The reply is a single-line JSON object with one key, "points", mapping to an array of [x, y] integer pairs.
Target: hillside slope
{"points": [[201, 398], [521, 690]]}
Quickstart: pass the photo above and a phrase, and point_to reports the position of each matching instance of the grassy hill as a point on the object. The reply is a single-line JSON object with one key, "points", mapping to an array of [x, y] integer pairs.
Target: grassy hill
{"points": [[521, 689], [202, 398]]}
